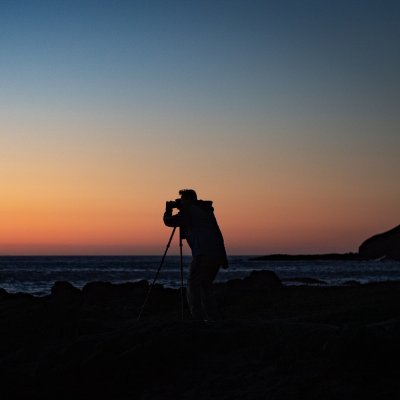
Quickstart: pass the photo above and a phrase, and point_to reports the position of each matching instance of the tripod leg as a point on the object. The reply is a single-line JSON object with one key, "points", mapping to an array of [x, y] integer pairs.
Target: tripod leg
{"points": [[181, 265], [155, 278]]}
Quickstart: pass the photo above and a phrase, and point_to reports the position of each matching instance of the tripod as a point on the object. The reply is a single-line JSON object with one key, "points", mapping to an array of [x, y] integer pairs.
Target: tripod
{"points": [[159, 269]]}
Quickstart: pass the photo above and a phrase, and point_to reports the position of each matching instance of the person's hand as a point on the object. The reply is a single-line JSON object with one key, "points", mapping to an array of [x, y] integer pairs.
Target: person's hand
{"points": [[169, 205]]}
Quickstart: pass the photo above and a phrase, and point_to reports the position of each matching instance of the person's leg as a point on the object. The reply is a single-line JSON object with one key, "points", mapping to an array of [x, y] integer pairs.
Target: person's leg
{"points": [[194, 288], [210, 268]]}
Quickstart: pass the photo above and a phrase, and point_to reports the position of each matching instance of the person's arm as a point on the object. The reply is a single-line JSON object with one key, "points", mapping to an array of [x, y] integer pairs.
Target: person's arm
{"points": [[169, 219]]}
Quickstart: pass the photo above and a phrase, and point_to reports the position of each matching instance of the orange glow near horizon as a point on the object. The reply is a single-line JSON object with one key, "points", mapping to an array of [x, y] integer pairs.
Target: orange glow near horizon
{"points": [[99, 187], [110, 199]]}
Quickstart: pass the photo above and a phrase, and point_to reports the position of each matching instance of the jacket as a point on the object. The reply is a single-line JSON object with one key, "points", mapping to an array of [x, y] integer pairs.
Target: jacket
{"points": [[200, 229]]}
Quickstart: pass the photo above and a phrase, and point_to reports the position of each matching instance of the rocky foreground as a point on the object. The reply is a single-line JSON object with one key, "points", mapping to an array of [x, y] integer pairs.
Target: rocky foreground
{"points": [[275, 342]]}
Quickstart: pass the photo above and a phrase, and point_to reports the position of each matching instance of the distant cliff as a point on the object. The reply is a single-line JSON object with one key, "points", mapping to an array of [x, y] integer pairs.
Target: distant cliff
{"points": [[307, 257], [386, 244]]}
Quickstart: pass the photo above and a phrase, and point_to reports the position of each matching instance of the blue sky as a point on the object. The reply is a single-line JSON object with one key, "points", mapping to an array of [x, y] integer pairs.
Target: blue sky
{"points": [[246, 56]]}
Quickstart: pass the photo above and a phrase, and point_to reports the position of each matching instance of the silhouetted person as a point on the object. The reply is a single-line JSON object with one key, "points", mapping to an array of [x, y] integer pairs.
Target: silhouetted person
{"points": [[199, 227]]}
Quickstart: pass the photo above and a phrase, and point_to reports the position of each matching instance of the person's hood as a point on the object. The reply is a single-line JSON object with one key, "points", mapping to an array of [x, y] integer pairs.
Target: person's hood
{"points": [[205, 204]]}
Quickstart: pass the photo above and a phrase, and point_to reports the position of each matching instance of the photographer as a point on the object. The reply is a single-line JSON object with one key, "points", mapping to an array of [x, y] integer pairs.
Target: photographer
{"points": [[199, 227]]}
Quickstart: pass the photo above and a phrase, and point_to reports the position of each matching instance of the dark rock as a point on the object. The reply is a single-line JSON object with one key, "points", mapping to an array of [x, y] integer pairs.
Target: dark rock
{"points": [[98, 291], [104, 291], [312, 342], [64, 290], [352, 283], [263, 279], [3, 293], [386, 244], [21, 296]]}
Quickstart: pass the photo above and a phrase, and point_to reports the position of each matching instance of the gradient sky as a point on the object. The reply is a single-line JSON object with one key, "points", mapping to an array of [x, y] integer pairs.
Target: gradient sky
{"points": [[285, 114]]}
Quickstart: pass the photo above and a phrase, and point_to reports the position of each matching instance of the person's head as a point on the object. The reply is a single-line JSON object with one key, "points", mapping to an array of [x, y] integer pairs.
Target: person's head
{"points": [[188, 196]]}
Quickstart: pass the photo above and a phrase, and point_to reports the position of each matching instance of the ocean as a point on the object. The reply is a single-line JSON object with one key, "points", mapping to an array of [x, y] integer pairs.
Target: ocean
{"points": [[36, 275]]}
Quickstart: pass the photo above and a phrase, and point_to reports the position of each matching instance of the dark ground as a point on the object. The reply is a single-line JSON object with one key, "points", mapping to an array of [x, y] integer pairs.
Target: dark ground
{"points": [[275, 342]]}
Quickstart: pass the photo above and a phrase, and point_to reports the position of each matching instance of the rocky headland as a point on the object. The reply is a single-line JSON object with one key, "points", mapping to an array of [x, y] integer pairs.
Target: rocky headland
{"points": [[274, 342], [386, 245]]}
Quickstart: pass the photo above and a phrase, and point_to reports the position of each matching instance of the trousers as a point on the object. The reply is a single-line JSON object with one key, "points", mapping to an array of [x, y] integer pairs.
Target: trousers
{"points": [[200, 296]]}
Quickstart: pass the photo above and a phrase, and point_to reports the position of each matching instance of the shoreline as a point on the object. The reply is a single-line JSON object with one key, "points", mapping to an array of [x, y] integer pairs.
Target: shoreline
{"points": [[36, 276], [302, 281]]}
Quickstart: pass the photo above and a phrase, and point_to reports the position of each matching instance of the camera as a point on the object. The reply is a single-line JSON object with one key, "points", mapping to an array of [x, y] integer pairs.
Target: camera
{"points": [[177, 203]]}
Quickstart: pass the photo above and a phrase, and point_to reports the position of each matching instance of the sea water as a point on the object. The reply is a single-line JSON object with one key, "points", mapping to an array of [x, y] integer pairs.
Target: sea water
{"points": [[36, 275]]}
